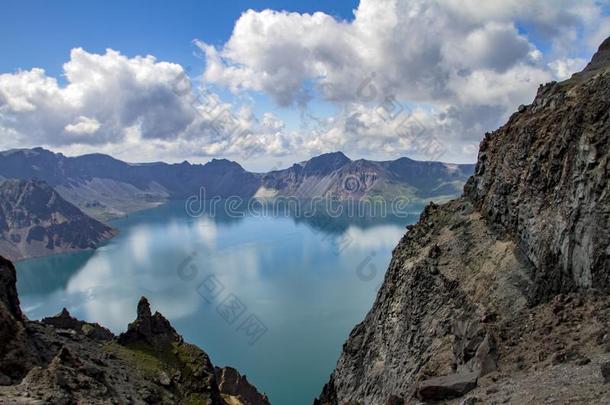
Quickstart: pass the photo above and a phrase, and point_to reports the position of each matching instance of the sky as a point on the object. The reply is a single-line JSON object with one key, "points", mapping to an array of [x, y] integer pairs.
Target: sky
{"points": [[268, 83]]}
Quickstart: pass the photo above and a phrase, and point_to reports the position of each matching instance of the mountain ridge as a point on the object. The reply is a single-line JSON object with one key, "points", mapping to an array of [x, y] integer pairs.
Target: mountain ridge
{"points": [[35, 221], [105, 187]]}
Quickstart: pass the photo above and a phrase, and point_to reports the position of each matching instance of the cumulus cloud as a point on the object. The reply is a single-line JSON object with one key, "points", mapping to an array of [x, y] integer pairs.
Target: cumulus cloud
{"points": [[104, 95], [455, 59], [416, 77], [83, 125], [414, 46], [111, 102]]}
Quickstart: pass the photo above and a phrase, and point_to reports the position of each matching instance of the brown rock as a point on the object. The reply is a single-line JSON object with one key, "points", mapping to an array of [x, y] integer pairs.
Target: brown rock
{"points": [[66, 324], [231, 382]]}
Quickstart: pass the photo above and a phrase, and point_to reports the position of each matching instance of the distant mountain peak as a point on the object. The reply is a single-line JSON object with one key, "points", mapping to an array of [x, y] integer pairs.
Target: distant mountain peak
{"points": [[223, 164], [326, 163]]}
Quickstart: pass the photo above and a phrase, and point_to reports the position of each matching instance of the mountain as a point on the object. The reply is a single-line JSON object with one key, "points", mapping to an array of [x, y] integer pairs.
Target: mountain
{"points": [[105, 187], [35, 221], [502, 295], [62, 360], [334, 175]]}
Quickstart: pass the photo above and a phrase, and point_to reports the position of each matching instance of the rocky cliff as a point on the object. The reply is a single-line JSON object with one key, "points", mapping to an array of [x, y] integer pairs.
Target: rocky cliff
{"points": [[503, 294], [36, 221], [62, 360]]}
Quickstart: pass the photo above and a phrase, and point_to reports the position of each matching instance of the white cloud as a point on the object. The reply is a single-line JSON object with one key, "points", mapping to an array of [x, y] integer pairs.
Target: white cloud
{"points": [[134, 107], [105, 95], [454, 68], [83, 125], [414, 46], [460, 61]]}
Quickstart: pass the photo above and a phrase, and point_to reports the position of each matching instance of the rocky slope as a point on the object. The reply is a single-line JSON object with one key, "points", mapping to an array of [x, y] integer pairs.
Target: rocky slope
{"points": [[61, 360], [35, 221], [334, 175], [503, 294], [105, 187]]}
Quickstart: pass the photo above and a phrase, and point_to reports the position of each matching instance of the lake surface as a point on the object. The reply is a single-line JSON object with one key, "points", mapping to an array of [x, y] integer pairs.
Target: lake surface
{"points": [[274, 297]]}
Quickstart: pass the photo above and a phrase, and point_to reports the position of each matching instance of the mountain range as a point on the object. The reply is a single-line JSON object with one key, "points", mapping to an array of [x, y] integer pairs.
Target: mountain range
{"points": [[36, 221], [106, 188]]}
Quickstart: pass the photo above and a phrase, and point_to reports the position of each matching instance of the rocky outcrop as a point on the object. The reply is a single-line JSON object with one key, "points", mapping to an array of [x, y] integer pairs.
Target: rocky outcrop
{"points": [[35, 221], [62, 360], [8, 291], [152, 329], [502, 294], [63, 322], [543, 178], [15, 356], [447, 387], [232, 383]]}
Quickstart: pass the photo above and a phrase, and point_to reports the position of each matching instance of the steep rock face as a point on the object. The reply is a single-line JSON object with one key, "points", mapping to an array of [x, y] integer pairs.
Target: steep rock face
{"points": [[17, 354], [447, 274], [502, 293], [543, 177], [62, 360], [35, 220]]}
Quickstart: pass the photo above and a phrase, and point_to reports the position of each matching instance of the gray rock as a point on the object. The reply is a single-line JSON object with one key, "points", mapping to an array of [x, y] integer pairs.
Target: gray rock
{"points": [[446, 387], [163, 379], [605, 370]]}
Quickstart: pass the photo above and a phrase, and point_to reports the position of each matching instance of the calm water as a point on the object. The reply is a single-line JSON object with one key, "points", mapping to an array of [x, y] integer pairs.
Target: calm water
{"points": [[274, 297]]}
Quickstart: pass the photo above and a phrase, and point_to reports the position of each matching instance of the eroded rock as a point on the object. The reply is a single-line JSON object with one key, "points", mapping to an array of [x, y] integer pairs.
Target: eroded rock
{"points": [[232, 383], [153, 329], [447, 387]]}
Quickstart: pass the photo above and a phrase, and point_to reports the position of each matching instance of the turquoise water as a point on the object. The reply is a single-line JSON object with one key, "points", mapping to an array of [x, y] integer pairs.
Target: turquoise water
{"points": [[275, 297]]}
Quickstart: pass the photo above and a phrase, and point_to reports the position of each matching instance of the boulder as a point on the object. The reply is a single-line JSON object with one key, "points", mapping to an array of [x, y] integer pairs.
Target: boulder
{"points": [[446, 387]]}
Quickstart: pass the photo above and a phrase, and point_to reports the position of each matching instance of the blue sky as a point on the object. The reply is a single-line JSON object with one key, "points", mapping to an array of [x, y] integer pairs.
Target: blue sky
{"points": [[453, 69], [42, 33]]}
